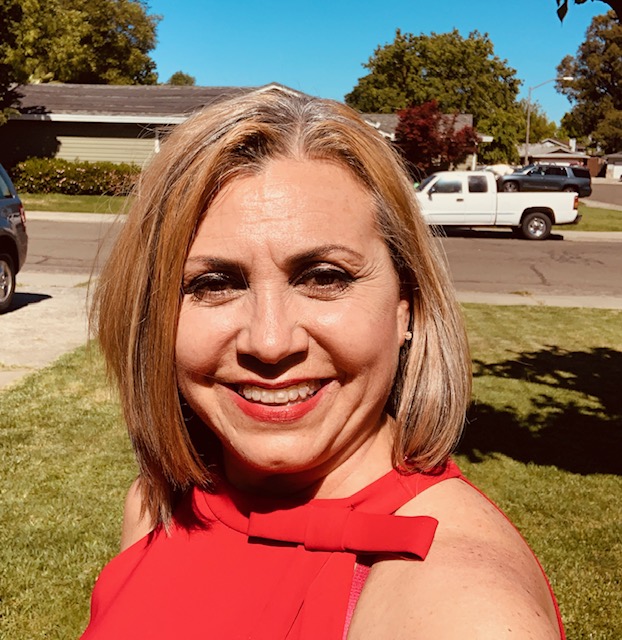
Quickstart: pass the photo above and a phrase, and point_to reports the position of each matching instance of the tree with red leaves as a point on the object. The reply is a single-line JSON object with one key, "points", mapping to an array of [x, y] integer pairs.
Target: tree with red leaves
{"points": [[430, 140]]}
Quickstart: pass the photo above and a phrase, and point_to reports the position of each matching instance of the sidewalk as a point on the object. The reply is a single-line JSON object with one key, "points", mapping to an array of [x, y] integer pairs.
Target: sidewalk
{"points": [[49, 319]]}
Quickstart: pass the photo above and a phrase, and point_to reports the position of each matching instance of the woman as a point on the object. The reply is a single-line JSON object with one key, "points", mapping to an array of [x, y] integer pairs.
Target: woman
{"points": [[294, 374]]}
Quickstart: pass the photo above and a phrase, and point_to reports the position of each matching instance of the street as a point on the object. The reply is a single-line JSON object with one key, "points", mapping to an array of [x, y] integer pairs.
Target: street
{"points": [[480, 261]]}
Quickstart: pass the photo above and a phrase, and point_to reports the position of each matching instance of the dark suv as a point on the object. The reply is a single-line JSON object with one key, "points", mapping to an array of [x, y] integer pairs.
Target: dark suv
{"points": [[548, 177], [13, 239]]}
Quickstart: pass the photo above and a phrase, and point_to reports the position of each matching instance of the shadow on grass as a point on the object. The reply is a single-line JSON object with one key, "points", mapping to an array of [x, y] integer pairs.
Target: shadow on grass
{"points": [[583, 435], [24, 299]]}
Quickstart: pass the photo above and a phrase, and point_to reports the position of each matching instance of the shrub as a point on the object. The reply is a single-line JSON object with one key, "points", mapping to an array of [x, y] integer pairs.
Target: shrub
{"points": [[53, 175]]}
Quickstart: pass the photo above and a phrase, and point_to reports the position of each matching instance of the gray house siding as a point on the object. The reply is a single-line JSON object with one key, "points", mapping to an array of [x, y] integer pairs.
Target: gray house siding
{"points": [[21, 139]]}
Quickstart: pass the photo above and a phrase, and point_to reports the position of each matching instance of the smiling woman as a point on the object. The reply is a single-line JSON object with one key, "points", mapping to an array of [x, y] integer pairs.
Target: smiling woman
{"points": [[294, 376]]}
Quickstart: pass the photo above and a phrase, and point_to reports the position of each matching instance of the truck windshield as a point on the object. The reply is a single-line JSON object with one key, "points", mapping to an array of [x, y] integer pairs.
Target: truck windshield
{"points": [[426, 182]]}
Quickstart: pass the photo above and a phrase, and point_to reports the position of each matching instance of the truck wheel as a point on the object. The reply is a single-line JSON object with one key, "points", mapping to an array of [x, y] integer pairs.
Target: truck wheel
{"points": [[536, 226], [510, 187], [7, 281], [571, 188]]}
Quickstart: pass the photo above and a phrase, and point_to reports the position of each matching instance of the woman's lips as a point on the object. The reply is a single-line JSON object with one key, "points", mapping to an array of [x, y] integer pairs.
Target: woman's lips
{"points": [[276, 405]]}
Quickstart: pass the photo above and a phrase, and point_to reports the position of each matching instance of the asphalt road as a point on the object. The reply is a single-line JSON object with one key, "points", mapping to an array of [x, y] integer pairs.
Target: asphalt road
{"points": [[486, 261], [606, 192]]}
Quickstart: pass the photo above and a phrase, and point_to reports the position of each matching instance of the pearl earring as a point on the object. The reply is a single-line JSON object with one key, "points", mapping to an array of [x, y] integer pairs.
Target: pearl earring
{"points": [[408, 335]]}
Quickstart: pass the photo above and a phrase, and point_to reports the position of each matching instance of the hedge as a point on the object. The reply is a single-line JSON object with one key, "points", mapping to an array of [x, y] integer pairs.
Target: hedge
{"points": [[53, 175]]}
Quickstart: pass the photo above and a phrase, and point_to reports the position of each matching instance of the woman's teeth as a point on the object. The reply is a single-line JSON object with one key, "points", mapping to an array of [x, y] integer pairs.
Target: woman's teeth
{"points": [[286, 395]]}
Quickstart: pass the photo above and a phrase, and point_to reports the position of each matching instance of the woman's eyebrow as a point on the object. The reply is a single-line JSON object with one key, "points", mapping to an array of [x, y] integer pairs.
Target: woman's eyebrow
{"points": [[323, 252]]}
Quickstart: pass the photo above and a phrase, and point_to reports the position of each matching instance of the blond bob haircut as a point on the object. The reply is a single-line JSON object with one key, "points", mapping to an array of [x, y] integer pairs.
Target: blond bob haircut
{"points": [[139, 293]]}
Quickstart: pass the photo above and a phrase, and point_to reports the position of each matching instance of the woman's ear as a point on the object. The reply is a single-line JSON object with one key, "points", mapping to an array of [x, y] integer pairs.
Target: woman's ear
{"points": [[403, 320]]}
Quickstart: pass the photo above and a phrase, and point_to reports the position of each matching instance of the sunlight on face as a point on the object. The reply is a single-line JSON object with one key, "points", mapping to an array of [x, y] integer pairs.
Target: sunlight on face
{"points": [[291, 323]]}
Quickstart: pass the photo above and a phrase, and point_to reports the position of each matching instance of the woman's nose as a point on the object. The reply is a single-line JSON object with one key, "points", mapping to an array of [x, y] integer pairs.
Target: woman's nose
{"points": [[272, 330]]}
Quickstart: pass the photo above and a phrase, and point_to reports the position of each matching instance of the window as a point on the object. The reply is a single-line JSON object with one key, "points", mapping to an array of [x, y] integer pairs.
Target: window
{"points": [[448, 185], [4, 189], [555, 171], [580, 172], [478, 184]]}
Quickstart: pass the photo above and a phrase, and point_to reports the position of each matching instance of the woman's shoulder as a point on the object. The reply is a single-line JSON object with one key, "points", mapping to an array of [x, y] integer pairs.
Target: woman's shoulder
{"points": [[137, 522], [479, 580]]}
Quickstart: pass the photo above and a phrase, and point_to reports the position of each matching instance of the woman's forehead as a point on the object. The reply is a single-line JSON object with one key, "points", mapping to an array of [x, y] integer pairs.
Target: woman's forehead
{"points": [[291, 201]]}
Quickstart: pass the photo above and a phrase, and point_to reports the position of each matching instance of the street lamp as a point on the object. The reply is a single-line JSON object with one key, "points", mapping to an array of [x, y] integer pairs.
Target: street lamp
{"points": [[566, 79]]}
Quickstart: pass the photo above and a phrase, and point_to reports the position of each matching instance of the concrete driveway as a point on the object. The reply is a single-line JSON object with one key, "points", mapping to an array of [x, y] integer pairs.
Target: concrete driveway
{"points": [[48, 318]]}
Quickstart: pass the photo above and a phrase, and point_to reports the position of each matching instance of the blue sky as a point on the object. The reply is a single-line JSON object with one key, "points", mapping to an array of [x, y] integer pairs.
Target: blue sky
{"points": [[318, 47]]}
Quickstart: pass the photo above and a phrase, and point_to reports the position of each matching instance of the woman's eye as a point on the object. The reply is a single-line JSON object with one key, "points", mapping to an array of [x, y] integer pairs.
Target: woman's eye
{"points": [[325, 282], [213, 287]]}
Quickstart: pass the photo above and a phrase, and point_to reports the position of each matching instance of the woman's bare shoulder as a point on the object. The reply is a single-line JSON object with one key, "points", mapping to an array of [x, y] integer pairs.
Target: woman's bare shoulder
{"points": [[137, 522], [480, 580]]}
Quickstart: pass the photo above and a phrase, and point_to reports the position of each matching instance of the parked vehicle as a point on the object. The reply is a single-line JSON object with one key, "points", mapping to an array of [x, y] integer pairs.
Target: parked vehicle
{"points": [[471, 199], [13, 239], [548, 177]]}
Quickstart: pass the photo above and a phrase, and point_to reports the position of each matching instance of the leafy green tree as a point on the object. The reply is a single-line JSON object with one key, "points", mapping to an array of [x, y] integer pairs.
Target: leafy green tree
{"points": [[461, 74], [10, 16], [81, 41], [182, 79], [562, 7], [540, 127], [596, 92]]}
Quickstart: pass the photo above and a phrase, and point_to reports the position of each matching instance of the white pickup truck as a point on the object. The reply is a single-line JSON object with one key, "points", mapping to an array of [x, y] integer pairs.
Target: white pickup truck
{"points": [[470, 199]]}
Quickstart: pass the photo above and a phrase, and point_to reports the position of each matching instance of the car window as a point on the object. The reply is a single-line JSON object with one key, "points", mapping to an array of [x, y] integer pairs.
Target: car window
{"points": [[555, 171], [477, 184], [580, 172], [448, 185], [5, 192]]}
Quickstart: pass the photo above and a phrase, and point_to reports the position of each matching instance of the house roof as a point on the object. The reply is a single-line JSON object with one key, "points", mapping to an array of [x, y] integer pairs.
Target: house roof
{"points": [[156, 104], [386, 123], [551, 149]]}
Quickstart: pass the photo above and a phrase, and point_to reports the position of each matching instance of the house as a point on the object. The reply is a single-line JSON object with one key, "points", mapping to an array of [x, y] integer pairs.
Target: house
{"points": [[118, 123], [552, 150], [121, 123], [386, 124], [614, 165]]}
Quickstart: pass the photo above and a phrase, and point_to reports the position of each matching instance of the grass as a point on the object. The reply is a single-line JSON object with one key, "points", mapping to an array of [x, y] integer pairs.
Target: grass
{"points": [[594, 219], [543, 441], [77, 204]]}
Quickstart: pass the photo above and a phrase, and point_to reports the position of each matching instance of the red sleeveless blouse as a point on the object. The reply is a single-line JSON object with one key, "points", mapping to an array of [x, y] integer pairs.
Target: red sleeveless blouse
{"points": [[236, 567]]}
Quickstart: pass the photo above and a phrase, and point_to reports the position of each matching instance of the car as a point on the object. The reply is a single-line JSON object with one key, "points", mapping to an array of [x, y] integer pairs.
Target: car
{"points": [[13, 239], [548, 177]]}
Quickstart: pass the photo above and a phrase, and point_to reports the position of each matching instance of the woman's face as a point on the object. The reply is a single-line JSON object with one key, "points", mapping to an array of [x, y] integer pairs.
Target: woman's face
{"points": [[291, 323]]}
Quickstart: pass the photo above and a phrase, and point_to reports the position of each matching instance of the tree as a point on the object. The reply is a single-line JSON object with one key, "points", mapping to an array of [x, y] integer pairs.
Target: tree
{"points": [[182, 79], [596, 92], [540, 127], [431, 140], [10, 16], [103, 42], [562, 7], [461, 74]]}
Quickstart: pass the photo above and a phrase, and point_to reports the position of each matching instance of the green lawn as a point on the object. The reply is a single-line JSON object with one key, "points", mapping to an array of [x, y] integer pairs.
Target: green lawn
{"points": [[594, 219], [77, 204], [544, 441]]}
